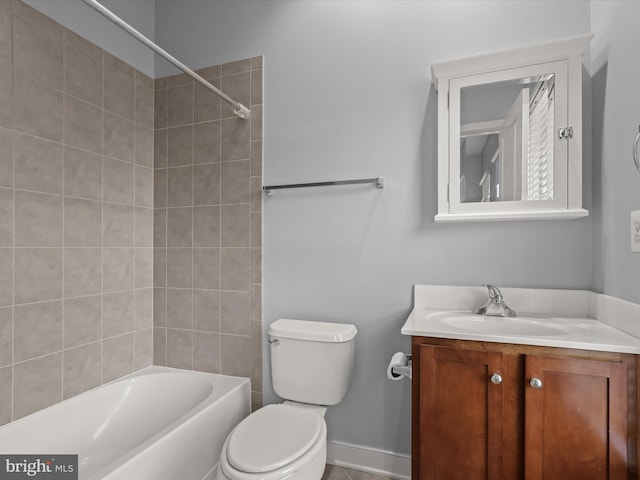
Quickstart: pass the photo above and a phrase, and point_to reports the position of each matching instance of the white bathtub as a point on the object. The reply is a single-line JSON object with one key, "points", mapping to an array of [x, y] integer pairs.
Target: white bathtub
{"points": [[156, 424]]}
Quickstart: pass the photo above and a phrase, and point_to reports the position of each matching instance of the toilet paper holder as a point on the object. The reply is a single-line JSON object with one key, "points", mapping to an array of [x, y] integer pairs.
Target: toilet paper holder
{"points": [[400, 366]]}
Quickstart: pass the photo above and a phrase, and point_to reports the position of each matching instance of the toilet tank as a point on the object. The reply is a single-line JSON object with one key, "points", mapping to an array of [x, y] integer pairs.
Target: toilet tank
{"points": [[311, 362]]}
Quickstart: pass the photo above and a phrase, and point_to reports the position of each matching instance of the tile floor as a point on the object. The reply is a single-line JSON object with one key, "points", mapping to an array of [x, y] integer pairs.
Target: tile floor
{"points": [[339, 473]]}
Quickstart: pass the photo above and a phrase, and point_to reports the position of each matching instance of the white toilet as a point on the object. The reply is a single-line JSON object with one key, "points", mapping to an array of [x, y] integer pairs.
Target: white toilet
{"points": [[311, 364]]}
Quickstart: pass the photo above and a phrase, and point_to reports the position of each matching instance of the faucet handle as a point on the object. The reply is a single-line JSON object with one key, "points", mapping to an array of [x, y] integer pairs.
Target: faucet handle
{"points": [[494, 292]]}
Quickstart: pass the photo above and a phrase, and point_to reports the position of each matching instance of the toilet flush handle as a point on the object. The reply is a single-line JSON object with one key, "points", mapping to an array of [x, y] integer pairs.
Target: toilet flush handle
{"points": [[275, 342]]}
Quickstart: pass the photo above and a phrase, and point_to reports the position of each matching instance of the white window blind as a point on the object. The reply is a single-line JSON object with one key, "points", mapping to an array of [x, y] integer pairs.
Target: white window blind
{"points": [[540, 163]]}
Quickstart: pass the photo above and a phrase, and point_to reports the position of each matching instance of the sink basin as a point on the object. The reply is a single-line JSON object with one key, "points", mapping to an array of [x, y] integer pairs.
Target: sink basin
{"points": [[520, 326]]}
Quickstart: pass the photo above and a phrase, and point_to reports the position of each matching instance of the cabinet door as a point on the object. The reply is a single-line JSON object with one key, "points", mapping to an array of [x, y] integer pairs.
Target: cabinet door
{"points": [[460, 414], [575, 419]]}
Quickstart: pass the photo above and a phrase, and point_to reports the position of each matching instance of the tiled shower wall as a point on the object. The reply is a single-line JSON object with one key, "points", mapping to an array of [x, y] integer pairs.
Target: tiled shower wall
{"points": [[207, 224], [76, 213]]}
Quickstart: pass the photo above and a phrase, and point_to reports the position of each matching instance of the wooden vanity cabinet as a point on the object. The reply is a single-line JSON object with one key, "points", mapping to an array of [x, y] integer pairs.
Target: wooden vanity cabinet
{"points": [[499, 411]]}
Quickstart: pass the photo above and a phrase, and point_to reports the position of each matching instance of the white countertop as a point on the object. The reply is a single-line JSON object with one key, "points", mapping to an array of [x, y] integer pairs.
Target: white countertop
{"points": [[576, 318]]}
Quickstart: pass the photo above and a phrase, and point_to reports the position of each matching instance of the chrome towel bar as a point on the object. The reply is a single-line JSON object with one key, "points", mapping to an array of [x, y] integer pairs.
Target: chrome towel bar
{"points": [[379, 182]]}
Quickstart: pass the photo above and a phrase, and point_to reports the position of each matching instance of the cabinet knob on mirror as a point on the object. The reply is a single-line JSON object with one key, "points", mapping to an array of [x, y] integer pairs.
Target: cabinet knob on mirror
{"points": [[496, 379], [536, 383]]}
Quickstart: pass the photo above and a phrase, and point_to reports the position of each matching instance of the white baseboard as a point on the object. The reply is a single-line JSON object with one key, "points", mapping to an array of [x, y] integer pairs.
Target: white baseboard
{"points": [[369, 460]]}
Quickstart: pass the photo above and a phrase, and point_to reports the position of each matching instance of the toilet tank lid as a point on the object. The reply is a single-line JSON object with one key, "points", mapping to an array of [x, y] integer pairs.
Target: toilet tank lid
{"points": [[312, 331]]}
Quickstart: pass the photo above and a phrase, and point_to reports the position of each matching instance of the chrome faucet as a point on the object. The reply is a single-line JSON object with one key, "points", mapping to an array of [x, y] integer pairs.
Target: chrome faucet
{"points": [[495, 305]]}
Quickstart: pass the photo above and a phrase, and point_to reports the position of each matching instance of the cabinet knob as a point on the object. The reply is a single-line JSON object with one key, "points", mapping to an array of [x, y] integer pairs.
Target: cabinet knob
{"points": [[536, 383], [496, 379]]}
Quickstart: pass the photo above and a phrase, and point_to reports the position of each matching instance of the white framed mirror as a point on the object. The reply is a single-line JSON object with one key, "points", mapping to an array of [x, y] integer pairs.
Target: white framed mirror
{"points": [[510, 134]]}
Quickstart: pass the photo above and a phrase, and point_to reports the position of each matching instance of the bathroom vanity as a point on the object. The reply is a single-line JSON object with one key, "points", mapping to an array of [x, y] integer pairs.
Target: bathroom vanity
{"points": [[507, 403]]}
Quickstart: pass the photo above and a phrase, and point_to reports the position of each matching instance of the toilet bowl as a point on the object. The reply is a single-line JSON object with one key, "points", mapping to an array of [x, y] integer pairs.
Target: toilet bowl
{"points": [[311, 365], [277, 442]]}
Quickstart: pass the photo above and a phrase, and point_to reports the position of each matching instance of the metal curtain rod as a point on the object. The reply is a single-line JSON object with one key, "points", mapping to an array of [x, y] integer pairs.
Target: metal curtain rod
{"points": [[239, 109], [379, 181]]}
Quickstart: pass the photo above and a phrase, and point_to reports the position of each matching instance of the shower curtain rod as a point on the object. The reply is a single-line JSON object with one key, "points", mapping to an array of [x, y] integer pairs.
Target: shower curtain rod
{"points": [[239, 109]]}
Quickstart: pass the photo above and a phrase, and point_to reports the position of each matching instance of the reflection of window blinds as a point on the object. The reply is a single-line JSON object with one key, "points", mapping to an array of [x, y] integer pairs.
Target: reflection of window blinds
{"points": [[540, 165]]}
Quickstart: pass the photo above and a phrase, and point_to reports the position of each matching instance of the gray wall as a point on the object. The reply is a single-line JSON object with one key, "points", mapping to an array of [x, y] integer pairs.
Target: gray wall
{"points": [[348, 94], [616, 115], [86, 22]]}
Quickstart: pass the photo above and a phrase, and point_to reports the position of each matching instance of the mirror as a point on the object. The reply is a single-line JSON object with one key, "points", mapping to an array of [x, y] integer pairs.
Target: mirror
{"points": [[509, 134], [506, 140]]}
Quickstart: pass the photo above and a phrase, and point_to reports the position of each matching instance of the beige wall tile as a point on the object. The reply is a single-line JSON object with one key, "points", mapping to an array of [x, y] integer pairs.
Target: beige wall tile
{"points": [[180, 348], [256, 123], [256, 158], [143, 186], [206, 310], [159, 307], [256, 265], [7, 97], [143, 227], [236, 182], [38, 51], [82, 70], [256, 87], [82, 174], [180, 187], [6, 217], [82, 125], [236, 136], [180, 105], [37, 384], [37, 109], [206, 226], [117, 181], [207, 142], [118, 313], [206, 268], [143, 348], [207, 105], [256, 356], [144, 146], [82, 369], [236, 350], [237, 66], [160, 346], [179, 308], [159, 267], [256, 194], [256, 230], [119, 65], [161, 108], [38, 219], [144, 267], [118, 135], [117, 357], [118, 225], [180, 146], [179, 227], [235, 313], [235, 225], [207, 184], [82, 271], [82, 223], [144, 105], [160, 187], [43, 317], [6, 35], [160, 146], [235, 268], [6, 337], [119, 89], [6, 156], [118, 269], [159, 227], [143, 318], [6, 394], [6, 276], [179, 268], [256, 302], [38, 164], [38, 274], [206, 352], [82, 320]]}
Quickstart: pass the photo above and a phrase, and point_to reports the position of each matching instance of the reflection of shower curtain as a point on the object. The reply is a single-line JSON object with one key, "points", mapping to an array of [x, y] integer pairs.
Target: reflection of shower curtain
{"points": [[541, 139]]}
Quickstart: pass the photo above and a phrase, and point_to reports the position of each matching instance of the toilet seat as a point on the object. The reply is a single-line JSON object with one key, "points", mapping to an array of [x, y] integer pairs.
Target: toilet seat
{"points": [[273, 437]]}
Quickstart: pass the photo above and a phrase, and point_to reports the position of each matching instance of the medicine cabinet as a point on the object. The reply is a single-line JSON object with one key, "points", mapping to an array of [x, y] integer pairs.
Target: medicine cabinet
{"points": [[510, 133]]}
